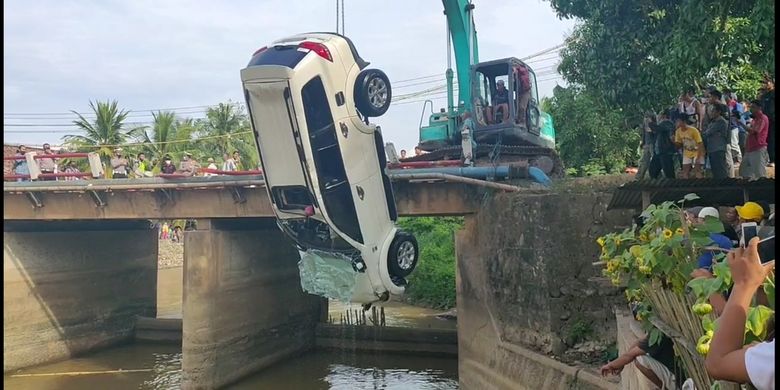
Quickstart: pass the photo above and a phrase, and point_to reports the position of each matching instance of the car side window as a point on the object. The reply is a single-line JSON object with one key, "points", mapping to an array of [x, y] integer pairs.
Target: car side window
{"points": [[328, 162]]}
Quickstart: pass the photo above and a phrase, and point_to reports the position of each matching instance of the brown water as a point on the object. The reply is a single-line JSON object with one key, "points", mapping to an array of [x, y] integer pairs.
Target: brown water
{"points": [[317, 370], [169, 285], [159, 366]]}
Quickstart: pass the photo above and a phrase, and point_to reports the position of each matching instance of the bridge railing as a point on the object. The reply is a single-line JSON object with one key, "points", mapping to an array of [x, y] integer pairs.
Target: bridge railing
{"points": [[33, 166]]}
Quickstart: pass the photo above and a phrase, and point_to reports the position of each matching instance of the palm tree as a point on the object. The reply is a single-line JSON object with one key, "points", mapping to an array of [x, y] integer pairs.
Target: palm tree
{"points": [[168, 136], [103, 134], [226, 129]]}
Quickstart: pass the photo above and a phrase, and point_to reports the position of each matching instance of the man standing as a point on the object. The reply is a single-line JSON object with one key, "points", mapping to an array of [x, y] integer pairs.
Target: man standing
{"points": [[20, 165], [187, 167], [212, 166], [767, 99], [523, 85], [664, 149], [237, 159], [118, 165], [647, 142], [142, 166], [47, 164], [716, 138], [168, 167], [689, 139], [403, 153], [756, 158]]}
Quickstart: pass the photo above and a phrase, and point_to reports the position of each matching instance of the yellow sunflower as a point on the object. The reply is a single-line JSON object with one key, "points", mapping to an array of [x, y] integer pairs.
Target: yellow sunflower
{"points": [[600, 241], [667, 233], [679, 231]]}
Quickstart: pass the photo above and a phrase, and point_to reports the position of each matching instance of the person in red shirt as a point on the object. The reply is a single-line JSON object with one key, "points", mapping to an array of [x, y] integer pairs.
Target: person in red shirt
{"points": [[523, 94], [756, 157]]}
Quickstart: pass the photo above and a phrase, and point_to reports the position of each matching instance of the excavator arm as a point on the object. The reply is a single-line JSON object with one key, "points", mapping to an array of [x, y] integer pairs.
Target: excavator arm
{"points": [[460, 23]]}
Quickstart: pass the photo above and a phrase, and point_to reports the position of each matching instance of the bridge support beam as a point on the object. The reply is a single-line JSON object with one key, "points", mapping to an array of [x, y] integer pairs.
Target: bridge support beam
{"points": [[243, 308], [73, 287]]}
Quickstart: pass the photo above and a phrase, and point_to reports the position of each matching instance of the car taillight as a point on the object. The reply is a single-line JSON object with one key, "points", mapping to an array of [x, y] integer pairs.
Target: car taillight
{"points": [[318, 48], [260, 50]]}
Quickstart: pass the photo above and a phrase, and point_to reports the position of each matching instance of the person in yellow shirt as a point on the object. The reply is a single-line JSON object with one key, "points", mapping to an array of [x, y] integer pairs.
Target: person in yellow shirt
{"points": [[689, 139]]}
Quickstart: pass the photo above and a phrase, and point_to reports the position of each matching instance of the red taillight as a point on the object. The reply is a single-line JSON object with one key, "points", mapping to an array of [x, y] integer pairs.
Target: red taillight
{"points": [[318, 48], [260, 50]]}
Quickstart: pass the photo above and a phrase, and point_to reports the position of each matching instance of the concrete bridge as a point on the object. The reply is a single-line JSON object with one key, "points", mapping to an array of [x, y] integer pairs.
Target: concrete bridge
{"points": [[80, 264]]}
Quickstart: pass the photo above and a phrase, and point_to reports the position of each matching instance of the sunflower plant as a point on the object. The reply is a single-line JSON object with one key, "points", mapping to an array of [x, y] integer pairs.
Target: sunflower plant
{"points": [[654, 263]]}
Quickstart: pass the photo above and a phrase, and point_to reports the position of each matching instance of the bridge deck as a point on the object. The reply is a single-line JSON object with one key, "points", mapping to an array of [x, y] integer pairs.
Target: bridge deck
{"points": [[197, 197]]}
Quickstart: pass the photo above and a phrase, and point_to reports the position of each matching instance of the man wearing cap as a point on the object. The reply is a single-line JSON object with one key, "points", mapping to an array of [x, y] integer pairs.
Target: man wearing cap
{"points": [[187, 166], [500, 102], [118, 165], [704, 262], [753, 212]]}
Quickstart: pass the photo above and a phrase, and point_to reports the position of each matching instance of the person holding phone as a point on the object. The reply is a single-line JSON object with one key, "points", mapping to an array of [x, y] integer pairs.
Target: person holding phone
{"points": [[728, 359]]}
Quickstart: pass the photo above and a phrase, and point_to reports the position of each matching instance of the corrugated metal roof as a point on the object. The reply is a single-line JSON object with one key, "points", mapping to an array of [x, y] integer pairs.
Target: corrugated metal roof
{"points": [[712, 192]]}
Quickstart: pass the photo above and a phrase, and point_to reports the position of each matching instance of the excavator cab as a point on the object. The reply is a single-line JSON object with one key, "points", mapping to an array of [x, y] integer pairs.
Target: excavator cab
{"points": [[506, 104]]}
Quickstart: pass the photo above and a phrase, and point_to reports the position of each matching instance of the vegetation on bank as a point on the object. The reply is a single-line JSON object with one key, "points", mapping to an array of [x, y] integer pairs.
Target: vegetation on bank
{"points": [[432, 284]]}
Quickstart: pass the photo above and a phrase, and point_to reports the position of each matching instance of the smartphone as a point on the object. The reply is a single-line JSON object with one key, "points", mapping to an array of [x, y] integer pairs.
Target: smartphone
{"points": [[766, 249], [749, 230]]}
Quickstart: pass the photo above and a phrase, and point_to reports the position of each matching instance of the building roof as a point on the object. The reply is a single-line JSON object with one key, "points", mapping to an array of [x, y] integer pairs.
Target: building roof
{"points": [[712, 192]]}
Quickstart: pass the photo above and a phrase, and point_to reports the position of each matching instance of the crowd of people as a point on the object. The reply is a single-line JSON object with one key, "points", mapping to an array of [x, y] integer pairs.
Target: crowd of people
{"points": [[727, 358], [718, 135], [123, 166]]}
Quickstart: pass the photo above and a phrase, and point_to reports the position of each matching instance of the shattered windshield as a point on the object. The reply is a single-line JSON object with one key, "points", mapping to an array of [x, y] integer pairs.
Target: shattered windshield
{"points": [[328, 275]]}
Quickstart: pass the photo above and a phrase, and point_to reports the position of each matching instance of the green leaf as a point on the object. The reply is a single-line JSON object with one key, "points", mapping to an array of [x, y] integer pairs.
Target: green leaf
{"points": [[712, 225], [757, 319], [654, 337]]}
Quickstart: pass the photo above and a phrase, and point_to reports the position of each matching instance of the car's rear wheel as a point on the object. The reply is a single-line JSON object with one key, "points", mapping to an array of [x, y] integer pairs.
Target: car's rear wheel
{"points": [[403, 255], [372, 92]]}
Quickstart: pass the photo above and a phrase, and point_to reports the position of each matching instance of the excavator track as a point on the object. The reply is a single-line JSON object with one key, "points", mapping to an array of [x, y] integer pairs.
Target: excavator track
{"points": [[506, 154]]}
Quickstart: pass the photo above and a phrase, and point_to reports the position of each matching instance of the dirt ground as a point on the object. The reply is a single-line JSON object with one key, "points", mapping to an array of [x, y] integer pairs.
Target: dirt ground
{"points": [[170, 254]]}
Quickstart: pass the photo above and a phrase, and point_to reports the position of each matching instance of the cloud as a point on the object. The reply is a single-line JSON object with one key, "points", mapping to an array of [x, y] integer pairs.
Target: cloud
{"points": [[159, 54]]}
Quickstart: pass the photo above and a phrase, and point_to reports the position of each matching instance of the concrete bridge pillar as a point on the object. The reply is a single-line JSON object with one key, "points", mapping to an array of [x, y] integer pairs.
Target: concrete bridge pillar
{"points": [[243, 308], [71, 287]]}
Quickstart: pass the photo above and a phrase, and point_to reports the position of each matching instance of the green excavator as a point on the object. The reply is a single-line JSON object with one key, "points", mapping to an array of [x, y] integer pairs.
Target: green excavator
{"points": [[497, 118]]}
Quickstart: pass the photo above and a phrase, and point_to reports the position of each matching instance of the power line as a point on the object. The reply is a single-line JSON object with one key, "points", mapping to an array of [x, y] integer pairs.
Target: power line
{"points": [[545, 51]]}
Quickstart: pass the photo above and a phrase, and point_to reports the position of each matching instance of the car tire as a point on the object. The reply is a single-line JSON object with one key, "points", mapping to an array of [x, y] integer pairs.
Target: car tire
{"points": [[372, 92], [403, 255]]}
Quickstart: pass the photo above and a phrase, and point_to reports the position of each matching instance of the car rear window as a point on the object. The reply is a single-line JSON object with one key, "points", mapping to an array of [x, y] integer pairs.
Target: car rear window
{"points": [[288, 56]]}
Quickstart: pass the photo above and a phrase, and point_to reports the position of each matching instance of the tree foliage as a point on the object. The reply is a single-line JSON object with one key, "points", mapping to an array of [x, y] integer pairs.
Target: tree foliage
{"points": [[168, 136], [592, 137], [226, 129], [433, 281], [640, 55]]}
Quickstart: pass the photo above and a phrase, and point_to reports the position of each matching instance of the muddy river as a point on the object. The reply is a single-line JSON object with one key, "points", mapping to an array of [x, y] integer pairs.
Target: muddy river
{"points": [[143, 366]]}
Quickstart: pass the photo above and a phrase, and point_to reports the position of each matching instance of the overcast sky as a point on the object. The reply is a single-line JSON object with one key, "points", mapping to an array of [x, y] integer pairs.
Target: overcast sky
{"points": [[172, 54]]}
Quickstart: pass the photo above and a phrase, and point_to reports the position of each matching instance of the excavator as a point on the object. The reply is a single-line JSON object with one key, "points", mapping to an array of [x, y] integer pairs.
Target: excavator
{"points": [[497, 118]]}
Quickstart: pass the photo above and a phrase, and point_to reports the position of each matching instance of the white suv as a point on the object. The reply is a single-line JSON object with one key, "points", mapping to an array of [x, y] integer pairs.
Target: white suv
{"points": [[309, 97]]}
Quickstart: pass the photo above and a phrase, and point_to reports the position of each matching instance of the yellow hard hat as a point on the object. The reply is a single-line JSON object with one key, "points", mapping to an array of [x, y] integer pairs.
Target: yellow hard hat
{"points": [[750, 211]]}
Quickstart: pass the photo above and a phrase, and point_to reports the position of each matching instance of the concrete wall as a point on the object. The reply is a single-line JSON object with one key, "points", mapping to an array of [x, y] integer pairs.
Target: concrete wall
{"points": [[243, 308], [69, 288], [525, 289]]}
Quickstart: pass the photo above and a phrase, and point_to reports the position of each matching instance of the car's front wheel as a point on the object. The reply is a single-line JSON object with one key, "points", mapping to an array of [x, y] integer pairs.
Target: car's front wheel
{"points": [[403, 255], [372, 92]]}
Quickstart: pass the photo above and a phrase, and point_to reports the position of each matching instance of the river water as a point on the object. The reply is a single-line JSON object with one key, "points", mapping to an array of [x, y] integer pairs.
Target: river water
{"points": [[158, 367]]}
